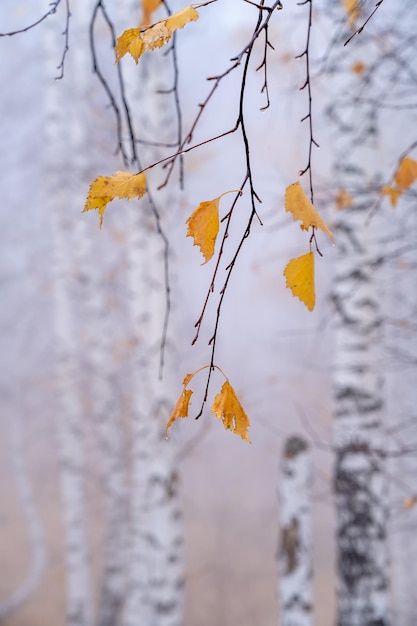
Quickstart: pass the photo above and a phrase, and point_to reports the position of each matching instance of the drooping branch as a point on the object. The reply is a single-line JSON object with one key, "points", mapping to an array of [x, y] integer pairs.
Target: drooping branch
{"points": [[307, 85], [51, 11]]}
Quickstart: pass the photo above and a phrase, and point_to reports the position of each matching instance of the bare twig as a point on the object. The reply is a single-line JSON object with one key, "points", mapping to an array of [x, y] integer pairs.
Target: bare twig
{"points": [[307, 84], [52, 10], [360, 29]]}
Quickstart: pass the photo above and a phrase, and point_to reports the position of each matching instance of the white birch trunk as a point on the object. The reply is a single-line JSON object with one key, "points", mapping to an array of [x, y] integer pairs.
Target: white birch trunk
{"points": [[357, 294], [155, 571], [402, 398], [295, 556], [62, 213], [92, 295], [29, 511]]}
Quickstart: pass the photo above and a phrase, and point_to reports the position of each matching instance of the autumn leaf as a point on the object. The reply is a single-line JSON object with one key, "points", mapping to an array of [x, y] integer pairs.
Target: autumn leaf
{"points": [[149, 7], [410, 502], [343, 199], [353, 10], [136, 41], [406, 174], [393, 193], [104, 189], [227, 407], [203, 226], [299, 274], [404, 177], [183, 17], [181, 407], [297, 203], [358, 68]]}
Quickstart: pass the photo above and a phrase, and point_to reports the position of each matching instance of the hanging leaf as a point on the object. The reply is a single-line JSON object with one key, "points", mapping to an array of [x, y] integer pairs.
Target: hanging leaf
{"points": [[297, 203], [183, 17], [104, 189], [353, 10], [410, 502], [393, 194], [136, 41], [343, 199], [358, 67], [404, 177], [203, 226], [227, 407], [181, 408], [149, 7], [299, 274], [406, 174], [132, 42]]}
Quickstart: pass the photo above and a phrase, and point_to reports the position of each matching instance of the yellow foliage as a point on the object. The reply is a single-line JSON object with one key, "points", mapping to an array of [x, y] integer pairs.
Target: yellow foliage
{"points": [[182, 406], [410, 502], [406, 173], [353, 10], [297, 203], [404, 177], [149, 7], [203, 226], [299, 274], [181, 18], [359, 67], [104, 189], [393, 193], [227, 407], [343, 199], [136, 41]]}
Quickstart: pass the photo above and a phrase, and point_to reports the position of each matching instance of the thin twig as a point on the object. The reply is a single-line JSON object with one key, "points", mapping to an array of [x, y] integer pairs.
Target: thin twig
{"points": [[360, 29]]}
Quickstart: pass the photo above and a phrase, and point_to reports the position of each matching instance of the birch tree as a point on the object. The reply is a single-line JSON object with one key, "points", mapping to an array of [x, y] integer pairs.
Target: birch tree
{"points": [[60, 205], [296, 551], [154, 594], [357, 295]]}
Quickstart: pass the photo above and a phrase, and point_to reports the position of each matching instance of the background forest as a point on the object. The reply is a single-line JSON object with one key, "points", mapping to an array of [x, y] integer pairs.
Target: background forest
{"points": [[104, 521]]}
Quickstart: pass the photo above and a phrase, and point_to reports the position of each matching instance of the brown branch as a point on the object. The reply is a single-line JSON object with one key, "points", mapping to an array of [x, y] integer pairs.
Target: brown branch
{"points": [[307, 84], [52, 10], [360, 29]]}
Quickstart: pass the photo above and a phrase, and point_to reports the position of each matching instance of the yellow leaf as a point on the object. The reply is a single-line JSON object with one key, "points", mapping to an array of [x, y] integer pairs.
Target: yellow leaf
{"points": [[359, 67], [227, 407], [393, 193], [156, 36], [343, 199], [203, 226], [299, 274], [107, 188], [183, 17], [406, 174], [149, 7], [181, 408], [136, 41], [297, 203], [410, 502], [130, 41], [187, 379], [353, 10]]}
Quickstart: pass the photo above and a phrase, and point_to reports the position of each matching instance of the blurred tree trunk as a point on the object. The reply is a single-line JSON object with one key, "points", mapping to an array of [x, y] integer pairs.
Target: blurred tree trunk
{"points": [[357, 294], [296, 551], [64, 211], [93, 297], [155, 596]]}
